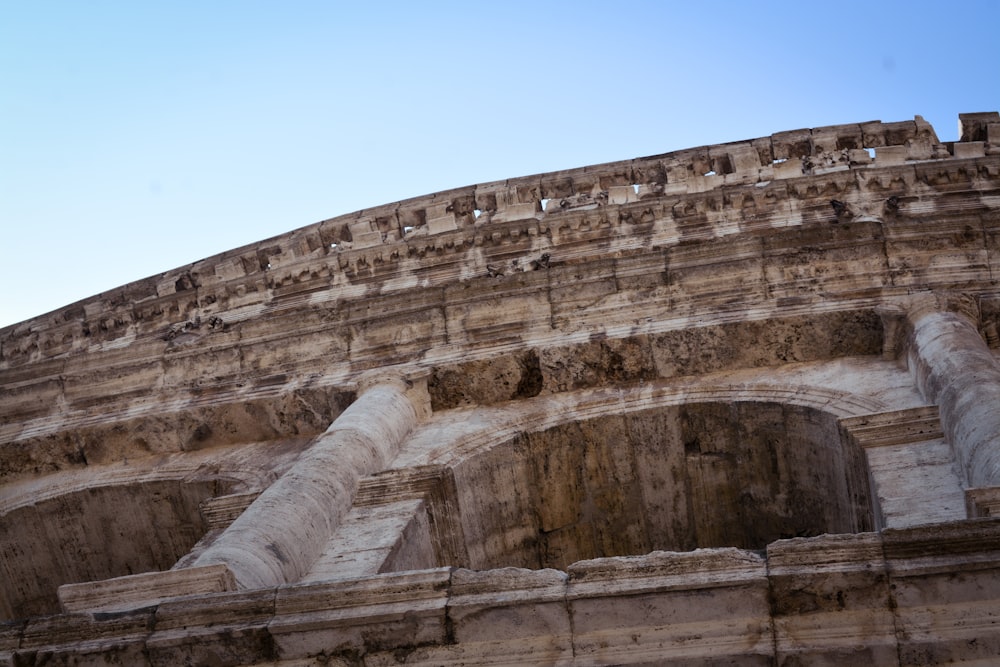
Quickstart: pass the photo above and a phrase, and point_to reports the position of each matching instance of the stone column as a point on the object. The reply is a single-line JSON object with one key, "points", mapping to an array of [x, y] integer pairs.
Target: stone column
{"points": [[284, 530], [954, 368]]}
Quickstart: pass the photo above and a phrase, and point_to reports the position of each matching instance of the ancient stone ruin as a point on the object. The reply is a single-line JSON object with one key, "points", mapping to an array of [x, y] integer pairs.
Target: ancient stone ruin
{"points": [[737, 404]]}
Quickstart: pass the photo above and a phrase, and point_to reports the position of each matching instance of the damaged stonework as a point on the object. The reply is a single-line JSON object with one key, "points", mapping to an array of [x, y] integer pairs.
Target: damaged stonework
{"points": [[803, 600], [732, 404]]}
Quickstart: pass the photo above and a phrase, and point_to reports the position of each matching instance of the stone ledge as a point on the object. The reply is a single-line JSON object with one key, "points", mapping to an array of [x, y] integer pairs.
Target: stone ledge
{"points": [[221, 511], [380, 233], [895, 427], [144, 590], [983, 502], [636, 608]]}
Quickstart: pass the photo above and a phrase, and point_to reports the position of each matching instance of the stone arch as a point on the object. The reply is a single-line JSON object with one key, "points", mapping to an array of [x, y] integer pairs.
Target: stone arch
{"points": [[499, 424], [673, 478], [627, 471], [96, 533]]}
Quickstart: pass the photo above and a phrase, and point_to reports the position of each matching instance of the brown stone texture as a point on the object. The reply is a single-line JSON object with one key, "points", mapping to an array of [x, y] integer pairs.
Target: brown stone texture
{"points": [[731, 405]]}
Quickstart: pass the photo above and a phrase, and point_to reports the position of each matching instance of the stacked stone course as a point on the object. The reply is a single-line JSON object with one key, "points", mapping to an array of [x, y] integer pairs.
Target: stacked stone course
{"points": [[733, 404]]}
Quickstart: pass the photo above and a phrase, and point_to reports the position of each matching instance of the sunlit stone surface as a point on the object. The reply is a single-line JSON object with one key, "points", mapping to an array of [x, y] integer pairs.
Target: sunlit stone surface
{"points": [[732, 405]]}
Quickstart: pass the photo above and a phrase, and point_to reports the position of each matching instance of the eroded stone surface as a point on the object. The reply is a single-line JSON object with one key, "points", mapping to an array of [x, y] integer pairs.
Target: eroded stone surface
{"points": [[728, 405]]}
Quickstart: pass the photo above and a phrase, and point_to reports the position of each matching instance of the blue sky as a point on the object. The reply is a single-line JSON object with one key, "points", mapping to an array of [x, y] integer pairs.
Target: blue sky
{"points": [[136, 137]]}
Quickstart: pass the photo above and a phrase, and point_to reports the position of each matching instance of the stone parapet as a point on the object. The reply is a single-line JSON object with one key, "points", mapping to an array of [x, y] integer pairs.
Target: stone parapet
{"points": [[725, 188], [732, 253], [823, 600]]}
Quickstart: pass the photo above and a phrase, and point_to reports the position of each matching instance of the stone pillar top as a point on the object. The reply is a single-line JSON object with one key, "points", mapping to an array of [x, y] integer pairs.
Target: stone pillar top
{"points": [[919, 304], [412, 382]]}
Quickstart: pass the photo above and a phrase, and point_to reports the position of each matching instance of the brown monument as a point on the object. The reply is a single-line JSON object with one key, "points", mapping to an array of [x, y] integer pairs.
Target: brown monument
{"points": [[732, 405]]}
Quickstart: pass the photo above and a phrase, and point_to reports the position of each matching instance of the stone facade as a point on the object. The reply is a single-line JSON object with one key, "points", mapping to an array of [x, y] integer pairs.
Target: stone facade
{"points": [[732, 405]]}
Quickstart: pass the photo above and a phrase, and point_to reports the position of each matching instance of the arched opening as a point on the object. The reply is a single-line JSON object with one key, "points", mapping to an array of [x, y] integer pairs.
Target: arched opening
{"points": [[674, 478], [95, 534]]}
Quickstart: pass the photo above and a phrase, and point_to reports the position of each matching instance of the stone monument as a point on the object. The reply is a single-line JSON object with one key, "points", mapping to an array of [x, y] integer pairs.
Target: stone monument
{"points": [[737, 404]]}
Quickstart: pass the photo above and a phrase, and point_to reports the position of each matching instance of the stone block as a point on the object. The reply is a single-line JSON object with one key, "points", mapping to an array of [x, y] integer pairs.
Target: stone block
{"points": [[509, 605], [791, 144], [970, 149], [365, 234], [622, 194], [224, 629], [100, 639], [945, 604], [365, 539], [386, 612], [709, 606], [831, 600], [145, 590], [886, 156]]}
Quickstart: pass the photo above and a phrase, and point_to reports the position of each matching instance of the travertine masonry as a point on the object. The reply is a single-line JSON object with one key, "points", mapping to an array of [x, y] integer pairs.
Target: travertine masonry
{"points": [[728, 405]]}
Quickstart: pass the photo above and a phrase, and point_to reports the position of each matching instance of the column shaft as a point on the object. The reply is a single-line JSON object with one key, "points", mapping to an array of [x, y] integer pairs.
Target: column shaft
{"points": [[284, 530], [954, 368]]}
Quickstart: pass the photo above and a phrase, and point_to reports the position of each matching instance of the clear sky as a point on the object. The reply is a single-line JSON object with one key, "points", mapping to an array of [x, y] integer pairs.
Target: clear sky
{"points": [[138, 136]]}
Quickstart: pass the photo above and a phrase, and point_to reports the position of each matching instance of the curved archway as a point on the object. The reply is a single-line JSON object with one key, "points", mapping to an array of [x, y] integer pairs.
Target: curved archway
{"points": [[462, 438], [94, 534], [676, 477]]}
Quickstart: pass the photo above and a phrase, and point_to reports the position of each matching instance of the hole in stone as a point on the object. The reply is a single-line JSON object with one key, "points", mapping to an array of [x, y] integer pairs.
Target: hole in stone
{"points": [[333, 245], [407, 229], [871, 152], [477, 213], [545, 203], [710, 173], [635, 187], [779, 160]]}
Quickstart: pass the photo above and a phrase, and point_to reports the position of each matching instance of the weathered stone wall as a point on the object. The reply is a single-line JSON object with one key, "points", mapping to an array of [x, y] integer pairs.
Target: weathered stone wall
{"points": [[902, 597], [761, 241], [734, 474], [739, 398]]}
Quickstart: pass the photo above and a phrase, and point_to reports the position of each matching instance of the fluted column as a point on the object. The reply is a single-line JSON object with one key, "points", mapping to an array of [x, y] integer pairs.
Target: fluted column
{"points": [[954, 368], [284, 530]]}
